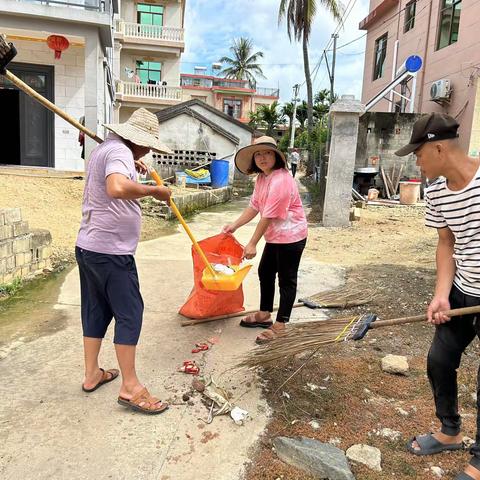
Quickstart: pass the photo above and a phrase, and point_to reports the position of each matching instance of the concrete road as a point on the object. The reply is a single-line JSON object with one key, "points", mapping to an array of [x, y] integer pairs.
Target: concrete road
{"points": [[50, 429]]}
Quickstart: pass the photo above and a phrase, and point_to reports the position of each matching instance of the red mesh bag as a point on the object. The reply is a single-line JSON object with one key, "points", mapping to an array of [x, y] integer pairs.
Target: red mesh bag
{"points": [[202, 303]]}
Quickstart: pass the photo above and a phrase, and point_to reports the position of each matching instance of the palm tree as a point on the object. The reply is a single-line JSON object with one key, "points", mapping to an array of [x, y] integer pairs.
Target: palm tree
{"points": [[243, 65], [302, 114], [299, 15], [287, 111], [270, 117], [321, 106]]}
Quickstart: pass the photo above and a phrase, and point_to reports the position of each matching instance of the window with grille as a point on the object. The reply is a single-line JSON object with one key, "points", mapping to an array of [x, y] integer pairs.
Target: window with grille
{"points": [[410, 11], [449, 22], [380, 56]]}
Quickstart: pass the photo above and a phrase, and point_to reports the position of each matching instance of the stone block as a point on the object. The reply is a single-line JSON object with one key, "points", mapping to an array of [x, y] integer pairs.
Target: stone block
{"points": [[40, 238], [6, 231], [43, 253], [25, 271], [6, 248], [10, 263], [28, 257], [2, 218], [12, 215], [22, 244], [3, 266], [19, 260], [321, 460], [20, 228]]}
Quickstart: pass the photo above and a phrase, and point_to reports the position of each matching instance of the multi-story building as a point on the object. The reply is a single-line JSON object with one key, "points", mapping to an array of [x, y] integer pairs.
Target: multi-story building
{"points": [[78, 82], [233, 97], [149, 42], [444, 33]]}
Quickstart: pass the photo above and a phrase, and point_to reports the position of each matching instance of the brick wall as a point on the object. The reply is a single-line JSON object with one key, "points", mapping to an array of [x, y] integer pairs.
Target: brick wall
{"points": [[23, 252]]}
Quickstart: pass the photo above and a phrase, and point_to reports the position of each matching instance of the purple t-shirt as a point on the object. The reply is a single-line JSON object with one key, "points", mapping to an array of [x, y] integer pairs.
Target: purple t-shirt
{"points": [[109, 225]]}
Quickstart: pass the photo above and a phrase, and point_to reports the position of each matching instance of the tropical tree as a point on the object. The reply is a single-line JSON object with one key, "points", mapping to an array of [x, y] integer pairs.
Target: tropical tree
{"points": [[287, 111], [321, 106], [255, 119], [299, 15], [270, 116], [243, 64], [302, 114]]}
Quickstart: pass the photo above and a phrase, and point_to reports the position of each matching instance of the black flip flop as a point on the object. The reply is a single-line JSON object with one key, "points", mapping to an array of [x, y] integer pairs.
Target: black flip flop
{"points": [[114, 374], [255, 324], [429, 445]]}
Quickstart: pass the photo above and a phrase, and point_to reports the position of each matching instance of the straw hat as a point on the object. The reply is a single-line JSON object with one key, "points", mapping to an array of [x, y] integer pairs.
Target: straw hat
{"points": [[244, 157], [141, 129]]}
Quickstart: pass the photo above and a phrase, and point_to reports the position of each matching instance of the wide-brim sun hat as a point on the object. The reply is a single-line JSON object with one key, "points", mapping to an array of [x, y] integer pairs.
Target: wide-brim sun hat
{"points": [[142, 128], [244, 158]]}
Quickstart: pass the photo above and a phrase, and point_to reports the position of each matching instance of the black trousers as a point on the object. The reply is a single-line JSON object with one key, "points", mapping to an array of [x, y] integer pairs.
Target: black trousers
{"points": [[282, 259], [449, 342], [294, 169]]}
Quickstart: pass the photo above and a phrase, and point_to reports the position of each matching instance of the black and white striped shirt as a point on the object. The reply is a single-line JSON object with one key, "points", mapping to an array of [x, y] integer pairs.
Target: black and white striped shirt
{"points": [[460, 212]]}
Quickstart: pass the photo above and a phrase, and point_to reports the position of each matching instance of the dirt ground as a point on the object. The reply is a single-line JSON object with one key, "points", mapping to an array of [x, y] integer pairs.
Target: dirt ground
{"points": [[56, 205], [390, 251]]}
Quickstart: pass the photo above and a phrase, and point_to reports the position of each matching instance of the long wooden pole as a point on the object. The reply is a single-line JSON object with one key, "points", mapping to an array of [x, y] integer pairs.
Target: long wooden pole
{"points": [[51, 106]]}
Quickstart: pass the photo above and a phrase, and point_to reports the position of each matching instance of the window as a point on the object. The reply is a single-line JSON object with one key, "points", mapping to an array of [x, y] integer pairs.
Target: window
{"points": [[149, 72], [150, 14], [410, 10], [380, 56], [232, 108], [449, 22]]}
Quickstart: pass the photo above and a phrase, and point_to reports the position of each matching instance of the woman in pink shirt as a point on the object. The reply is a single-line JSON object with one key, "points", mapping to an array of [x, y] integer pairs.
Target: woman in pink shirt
{"points": [[282, 223]]}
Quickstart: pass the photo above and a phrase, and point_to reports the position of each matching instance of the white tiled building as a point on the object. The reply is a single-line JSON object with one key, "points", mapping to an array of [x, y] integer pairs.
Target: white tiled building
{"points": [[80, 82], [149, 42]]}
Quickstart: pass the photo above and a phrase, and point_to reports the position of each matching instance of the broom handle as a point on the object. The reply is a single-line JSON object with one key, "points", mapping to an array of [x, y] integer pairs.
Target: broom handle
{"points": [[51, 106], [177, 213], [418, 318]]}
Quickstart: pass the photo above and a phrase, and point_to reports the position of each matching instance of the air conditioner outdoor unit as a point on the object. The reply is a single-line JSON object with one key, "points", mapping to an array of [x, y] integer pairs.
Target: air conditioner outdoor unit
{"points": [[440, 90]]}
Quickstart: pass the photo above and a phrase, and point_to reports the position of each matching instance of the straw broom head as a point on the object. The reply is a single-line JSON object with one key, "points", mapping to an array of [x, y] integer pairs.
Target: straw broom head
{"points": [[300, 338]]}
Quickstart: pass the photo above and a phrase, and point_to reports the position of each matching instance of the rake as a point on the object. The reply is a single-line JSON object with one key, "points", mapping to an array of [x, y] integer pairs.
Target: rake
{"points": [[211, 279], [313, 336]]}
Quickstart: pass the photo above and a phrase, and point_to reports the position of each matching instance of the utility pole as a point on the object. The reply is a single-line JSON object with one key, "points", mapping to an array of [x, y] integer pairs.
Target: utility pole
{"points": [[296, 89], [332, 76]]}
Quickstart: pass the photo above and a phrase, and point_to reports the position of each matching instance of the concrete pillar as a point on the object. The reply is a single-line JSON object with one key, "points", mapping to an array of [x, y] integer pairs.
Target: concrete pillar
{"points": [[345, 114], [93, 58]]}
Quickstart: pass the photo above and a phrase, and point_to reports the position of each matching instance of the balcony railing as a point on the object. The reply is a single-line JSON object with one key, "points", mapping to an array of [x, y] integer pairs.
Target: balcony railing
{"points": [[268, 92], [94, 5], [147, 91], [150, 32]]}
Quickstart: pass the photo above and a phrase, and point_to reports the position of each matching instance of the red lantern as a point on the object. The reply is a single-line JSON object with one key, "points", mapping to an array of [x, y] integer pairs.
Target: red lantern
{"points": [[57, 43]]}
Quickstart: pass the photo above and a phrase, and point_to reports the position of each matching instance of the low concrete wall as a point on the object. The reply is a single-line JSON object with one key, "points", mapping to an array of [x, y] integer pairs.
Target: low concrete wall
{"points": [[23, 252], [187, 202]]}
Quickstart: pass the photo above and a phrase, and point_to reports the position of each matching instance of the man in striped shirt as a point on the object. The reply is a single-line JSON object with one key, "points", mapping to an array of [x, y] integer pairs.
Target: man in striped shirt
{"points": [[453, 208]]}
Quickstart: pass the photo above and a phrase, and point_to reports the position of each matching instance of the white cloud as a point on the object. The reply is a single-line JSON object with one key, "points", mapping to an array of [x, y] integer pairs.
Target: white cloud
{"points": [[211, 26]]}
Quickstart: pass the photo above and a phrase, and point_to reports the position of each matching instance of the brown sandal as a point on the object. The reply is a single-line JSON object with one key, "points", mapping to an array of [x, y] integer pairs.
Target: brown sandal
{"points": [[268, 336], [107, 376], [143, 402]]}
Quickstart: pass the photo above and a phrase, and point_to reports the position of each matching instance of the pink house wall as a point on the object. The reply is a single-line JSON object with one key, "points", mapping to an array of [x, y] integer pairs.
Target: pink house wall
{"points": [[459, 62]]}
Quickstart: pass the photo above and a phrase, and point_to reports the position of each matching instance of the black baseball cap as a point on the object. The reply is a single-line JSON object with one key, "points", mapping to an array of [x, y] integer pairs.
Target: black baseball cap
{"points": [[430, 128]]}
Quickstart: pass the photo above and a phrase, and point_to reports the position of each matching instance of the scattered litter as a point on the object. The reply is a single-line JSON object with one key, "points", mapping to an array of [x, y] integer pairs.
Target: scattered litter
{"points": [[326, 379], [198, 385], [315, 425], [238, 415], [293, 422], [185, 397], [286, 395], [214, 340], [312, 386], [189, 366], [200, 347]]}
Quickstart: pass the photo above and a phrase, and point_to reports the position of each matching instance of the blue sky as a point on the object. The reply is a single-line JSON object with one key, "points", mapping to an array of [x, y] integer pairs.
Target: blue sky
{"points": [[211, 25]]}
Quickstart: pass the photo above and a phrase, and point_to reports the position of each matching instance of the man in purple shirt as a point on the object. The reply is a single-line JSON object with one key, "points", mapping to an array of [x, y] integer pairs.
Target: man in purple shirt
{"points": [[107, 240]]}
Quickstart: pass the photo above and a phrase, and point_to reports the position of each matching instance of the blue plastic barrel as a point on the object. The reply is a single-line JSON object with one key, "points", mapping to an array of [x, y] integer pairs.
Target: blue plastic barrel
{"points": [[219, 173]]}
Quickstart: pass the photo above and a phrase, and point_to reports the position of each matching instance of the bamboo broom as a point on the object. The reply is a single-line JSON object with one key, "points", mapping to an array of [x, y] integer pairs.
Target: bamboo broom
{"points": [[313, 336]]}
